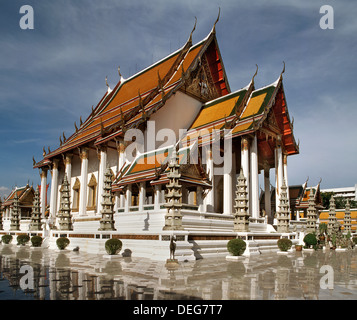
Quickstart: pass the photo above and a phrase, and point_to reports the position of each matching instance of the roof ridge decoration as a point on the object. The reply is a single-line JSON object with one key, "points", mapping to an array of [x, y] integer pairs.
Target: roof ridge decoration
{"points": [[214, 26]]}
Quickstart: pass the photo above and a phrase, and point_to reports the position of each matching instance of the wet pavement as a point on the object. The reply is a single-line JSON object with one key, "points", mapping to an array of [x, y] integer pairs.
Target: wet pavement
{"points": [[41, 274]]}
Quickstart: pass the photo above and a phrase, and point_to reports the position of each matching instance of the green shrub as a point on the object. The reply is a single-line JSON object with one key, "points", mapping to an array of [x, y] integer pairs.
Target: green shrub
{"points": [[284, 244], [22, 239], [36, 241], [62, 243], [310, 240], [236, 247], [7, 238], [113, 246]]}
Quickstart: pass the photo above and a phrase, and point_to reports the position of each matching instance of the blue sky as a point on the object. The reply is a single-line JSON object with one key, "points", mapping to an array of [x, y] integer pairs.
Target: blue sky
{"points": [[52, 75]]}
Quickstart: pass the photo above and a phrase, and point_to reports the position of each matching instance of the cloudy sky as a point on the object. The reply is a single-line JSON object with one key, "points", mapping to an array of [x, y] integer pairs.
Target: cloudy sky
{"points": [[53, 74]]}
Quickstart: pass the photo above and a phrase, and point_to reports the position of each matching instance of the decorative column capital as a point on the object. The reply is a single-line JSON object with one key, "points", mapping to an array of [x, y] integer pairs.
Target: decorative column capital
{"points": [[244, 143], [43, 173], [55, 163], [278, 141], [100, 149], [121, 146], [84, 154], [68, 158]]}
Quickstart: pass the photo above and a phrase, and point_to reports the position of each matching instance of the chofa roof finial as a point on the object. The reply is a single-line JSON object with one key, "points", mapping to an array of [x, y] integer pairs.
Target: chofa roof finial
{"points": [[194, 28], [219, 14], [256, 72], [283, 68]]}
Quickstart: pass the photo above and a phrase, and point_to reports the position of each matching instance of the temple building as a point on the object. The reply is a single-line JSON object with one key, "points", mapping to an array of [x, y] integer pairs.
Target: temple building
{"points": [[24, 196], [181, 105]]}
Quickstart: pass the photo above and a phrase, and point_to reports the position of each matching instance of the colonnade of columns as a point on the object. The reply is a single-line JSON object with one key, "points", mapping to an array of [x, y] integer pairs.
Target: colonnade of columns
{"points": [[250, 166], [249, 162]]}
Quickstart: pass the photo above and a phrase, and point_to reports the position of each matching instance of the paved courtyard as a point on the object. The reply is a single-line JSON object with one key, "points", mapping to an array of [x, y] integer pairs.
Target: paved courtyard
{"points": [[31, 273]]}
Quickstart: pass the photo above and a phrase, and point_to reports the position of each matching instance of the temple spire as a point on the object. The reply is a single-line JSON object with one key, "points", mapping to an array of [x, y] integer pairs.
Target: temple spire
{"points": [[283, 215], [241, 215], [107, 220], [1, 216], [311, 214], [35, 224], [332, 216], [65, 218], [173, 217], [15, 214], [347, 218]]}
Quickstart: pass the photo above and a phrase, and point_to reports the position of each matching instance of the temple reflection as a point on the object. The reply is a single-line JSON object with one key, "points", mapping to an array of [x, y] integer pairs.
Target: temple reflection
{"points": [[79, 276]]}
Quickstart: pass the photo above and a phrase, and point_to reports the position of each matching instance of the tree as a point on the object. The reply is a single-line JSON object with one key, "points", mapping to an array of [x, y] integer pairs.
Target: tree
{"points": [[340, 201]]}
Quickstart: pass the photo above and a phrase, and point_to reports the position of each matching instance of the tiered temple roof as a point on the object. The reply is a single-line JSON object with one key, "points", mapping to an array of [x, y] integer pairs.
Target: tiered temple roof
{"points": [[25, 195], [198, 71], [132, 101], [153, 166], [303, 201]]}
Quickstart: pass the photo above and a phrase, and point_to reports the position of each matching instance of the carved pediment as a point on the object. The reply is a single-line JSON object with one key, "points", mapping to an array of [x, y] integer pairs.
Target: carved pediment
{"points": [[200, 83]]}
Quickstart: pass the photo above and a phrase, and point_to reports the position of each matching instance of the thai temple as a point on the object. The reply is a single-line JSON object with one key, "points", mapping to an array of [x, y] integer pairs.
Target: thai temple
{"points": [[173, 151]]}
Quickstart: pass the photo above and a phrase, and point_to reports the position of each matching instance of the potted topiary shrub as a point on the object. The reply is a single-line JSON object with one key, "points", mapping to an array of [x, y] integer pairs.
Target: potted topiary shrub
{"points": [[284, 244], [236, 247], [113, 246], [36, 241], [62, 243], [22, 239], [310, 240], [7, 238]]}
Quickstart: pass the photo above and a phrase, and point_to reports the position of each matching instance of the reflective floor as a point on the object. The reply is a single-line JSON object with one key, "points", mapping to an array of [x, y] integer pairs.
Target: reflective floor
{"points": [[28, 273]]}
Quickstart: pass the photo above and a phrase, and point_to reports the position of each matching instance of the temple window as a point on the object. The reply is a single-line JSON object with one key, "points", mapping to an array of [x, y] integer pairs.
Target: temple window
{"points": [[92, 193], [76, 191]]}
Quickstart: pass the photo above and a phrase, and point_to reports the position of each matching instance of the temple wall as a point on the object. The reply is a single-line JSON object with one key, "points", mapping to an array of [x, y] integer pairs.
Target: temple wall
{"points": [[178, 114], [112, 160]]}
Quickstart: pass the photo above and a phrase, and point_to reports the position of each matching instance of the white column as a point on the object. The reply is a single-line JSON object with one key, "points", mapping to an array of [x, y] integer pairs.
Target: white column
{"points": [[245, 167], [157, 197], [121, 161], [102, 168], [68, 167], [285, 164], [267, 193], [43, 191], [128, 198], [199, 199], [228, 182], [54, 189], [278, 174], [254, 178], [84, 182], [142, 196], [209, 199]]}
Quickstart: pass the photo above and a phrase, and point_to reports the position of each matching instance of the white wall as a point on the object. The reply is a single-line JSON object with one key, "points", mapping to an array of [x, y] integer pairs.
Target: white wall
{"points": [[178, 113]]}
